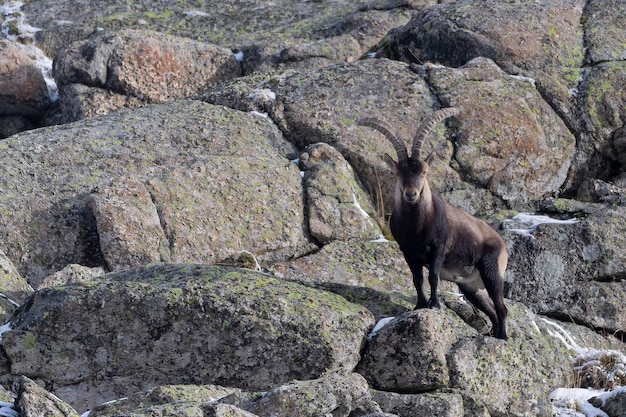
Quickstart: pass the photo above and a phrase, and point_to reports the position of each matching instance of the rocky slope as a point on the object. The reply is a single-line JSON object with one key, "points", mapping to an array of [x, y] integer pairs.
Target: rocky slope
{"points": [[190, 145]]}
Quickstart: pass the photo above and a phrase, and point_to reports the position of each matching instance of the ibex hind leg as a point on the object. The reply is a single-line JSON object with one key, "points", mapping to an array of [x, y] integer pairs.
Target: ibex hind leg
{"points": [[480, 299], [492, 268]]}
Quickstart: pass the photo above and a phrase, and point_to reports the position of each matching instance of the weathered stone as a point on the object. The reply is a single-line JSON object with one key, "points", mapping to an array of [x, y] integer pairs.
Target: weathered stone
{"points": [[511, 141], [605, 39], [338, 208], [334, 395], [427, 350], [34, 401], [324, 106], [72, 273], [600, 120], [431, 404], [23, 90], [409, 353], [175, 146], [182, 324], [542, 40], [614, 404], [150, 66], [168, 400], [230, 204], [378, 265], [573, 270], [13, 288], [129, 228], [78, 101], [260, 30]]}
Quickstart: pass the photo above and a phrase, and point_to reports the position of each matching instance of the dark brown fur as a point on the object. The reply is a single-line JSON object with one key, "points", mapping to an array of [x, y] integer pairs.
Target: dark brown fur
{"points": [[451, 243]]}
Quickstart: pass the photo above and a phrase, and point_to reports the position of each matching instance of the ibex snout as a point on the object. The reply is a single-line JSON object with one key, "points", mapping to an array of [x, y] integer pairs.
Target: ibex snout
{"points": [[411, 195]]}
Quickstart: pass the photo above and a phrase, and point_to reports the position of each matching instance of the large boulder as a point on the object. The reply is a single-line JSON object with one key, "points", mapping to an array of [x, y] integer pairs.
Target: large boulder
{"points": [[541, 40], [338, 208], [325, 105], [149, 66], [427, 350], [34, 401], [13, 288], [202, 168], [600, 122], [173, 324], [23, 90], [572, 270], [511, 141], [336, 395]]}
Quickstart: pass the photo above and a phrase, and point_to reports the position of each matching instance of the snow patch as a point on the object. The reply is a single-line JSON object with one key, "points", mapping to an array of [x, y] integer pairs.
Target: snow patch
{"points": [[10, 301], [239, 56], [259, 114], [381, 323], [5, 328], [358, 206], [380, 239], [567, 401], [527, 79], [8, 410], [534, 221], [196, 13]]}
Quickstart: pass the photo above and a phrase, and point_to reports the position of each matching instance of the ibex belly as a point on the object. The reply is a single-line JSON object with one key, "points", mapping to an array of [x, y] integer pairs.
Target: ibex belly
{"points": [[467, 275]]}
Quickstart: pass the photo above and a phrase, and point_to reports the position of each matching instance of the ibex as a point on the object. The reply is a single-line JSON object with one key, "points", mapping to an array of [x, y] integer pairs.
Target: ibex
{"points": [[451, 243]]}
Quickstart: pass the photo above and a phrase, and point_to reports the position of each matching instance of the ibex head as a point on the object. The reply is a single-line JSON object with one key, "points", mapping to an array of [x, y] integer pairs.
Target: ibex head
{"points": [[410, 170]]}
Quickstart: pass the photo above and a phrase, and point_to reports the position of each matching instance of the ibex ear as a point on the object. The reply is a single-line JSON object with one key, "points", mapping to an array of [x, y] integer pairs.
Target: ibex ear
{"points": [[393, 165], [432, 158]]}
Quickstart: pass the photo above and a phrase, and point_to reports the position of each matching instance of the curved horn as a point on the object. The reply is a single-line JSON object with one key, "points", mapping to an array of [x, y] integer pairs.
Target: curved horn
{"points": [[385, 129], [427, 126]]}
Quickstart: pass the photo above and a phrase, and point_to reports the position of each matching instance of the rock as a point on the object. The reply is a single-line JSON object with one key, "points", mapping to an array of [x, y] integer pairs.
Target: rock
{"points": [[323, 107], [72, 273], [511, 142], [78, 101], [13, 288], [316, 34], [429, 350], [613, 403], [149, 66], [377, 265], [34, 401], [600, 120], [196, 160], [604, 39], [338, 208], [23, 89], [409, 354], [182, 324], [572, 270], [170, 400], [335, 395], [129, 228], [543, 41], [435, 405]]}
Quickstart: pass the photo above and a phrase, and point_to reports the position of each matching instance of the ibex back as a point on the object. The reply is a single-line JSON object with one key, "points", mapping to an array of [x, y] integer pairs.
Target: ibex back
{"points": [[451, 243]]}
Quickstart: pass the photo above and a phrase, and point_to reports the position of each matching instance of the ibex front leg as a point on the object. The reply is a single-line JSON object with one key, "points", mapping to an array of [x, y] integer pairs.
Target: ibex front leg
{"points": [[417, 269], [433, 278]]}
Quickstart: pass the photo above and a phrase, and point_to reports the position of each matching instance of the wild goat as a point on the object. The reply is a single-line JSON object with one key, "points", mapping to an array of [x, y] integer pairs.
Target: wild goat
{"points": [[451, 243]]}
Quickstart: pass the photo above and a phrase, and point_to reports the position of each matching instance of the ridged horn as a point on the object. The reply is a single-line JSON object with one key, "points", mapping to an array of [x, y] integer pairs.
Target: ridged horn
{"points": [[427, 126], [385, 129]]}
